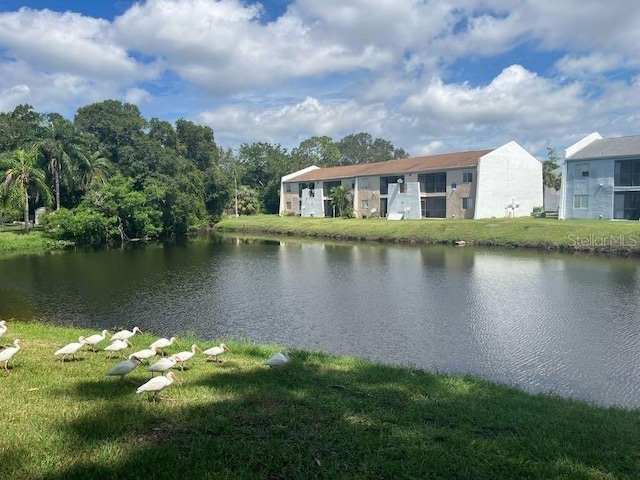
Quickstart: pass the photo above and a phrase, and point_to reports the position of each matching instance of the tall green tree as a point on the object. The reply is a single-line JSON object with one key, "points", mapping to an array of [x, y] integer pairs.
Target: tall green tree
{"points": [[550, 178], [58, 147], [163, 132], [24, 180], [114, 124], [363, 148], [264, 165], [130, 209], [19, 128], [219, 189], [320, 151], [197, 143], [94, 169]]}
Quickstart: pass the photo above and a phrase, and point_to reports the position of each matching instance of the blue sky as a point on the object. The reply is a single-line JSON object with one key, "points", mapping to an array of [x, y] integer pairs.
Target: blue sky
{"points": [[431, 76]]}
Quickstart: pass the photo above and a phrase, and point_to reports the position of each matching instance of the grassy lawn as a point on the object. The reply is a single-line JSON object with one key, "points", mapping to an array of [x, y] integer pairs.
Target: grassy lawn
{"points": [[320, 417], [618, 237], [19, 242]]}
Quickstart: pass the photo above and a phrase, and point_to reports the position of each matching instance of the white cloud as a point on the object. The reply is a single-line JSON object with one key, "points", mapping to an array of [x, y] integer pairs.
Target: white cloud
{"points": [[50, 92], [515, 99], [13, 96], [68, 42], [223, 47], [310, 116], [341, 66], [137, 96], [587, 65]]}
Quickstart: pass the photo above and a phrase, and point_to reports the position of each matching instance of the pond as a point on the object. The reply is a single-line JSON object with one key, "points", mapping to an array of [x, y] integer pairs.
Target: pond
{"points": [[544, 322]]}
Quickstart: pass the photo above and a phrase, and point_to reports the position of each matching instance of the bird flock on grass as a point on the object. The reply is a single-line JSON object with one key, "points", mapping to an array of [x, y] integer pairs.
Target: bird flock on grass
{"points": [[120, 342]]}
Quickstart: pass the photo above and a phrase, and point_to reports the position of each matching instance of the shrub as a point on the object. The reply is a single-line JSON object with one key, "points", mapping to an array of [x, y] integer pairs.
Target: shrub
{"points": [[84, 226]]}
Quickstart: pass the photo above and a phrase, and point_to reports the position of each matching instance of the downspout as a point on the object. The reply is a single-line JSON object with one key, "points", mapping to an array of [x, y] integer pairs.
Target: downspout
{"points": [[356, 198], [563, 190]]}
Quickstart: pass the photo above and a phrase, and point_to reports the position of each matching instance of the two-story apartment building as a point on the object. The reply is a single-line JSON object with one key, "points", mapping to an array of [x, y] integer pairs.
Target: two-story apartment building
{"points": [[601, 179], [503, 182]]}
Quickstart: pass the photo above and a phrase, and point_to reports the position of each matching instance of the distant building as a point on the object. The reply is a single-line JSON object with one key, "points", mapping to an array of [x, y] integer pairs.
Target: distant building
{"points": [[601, 179], [503, 182]]}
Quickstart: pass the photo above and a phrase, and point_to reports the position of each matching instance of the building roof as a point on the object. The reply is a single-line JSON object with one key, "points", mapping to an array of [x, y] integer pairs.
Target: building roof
{"points": [[608, 148], [390, 167]]}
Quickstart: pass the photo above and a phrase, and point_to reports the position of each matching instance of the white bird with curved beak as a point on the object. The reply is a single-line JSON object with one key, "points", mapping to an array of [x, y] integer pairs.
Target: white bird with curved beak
{"points": [[71, 348], [157, 384], [8, 353], [3, 327], [126, 366], [3, 330], [278, 360], [214, 352], [182, 357], [126, 334], [146, 353], [163, 343], [162, 365], [117, 345], [95, 339]]}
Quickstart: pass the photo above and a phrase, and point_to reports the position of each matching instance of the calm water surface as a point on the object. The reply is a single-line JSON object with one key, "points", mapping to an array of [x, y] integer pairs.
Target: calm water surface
{"points": [[544, 322]]}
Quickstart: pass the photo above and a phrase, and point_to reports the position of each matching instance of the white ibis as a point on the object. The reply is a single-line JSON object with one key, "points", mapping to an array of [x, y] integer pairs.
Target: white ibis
{"points": [[117, 345], [278, 360], [146, 353], [214, 352], [8, 353], [157, 384], [95, 339], [126, 334], [126, 366], [182, 357], [71, 348], [3, 327], [163, 343], [162, 365]]}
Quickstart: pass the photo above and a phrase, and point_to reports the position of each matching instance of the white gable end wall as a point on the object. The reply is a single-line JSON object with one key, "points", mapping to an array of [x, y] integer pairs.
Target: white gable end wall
{"points": [[576, 147], [509, 183]]}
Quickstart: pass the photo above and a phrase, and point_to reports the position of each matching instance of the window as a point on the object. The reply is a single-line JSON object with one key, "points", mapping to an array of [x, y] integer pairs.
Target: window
{"points": [[467, 203], [582, 170], [329, 185], [365, 204], [287, 187], [627, 173], [581, 201], [433, 182], [302, 186], [386, 181], [288, 205], [467, 177], [363, 182]]}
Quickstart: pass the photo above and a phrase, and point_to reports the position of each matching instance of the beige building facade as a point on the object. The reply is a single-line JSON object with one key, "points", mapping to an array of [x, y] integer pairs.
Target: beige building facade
{"points": [[502, 182]]}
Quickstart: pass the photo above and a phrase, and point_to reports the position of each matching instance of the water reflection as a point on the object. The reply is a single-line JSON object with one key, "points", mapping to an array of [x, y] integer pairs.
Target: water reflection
{"points": [[545, 322]]}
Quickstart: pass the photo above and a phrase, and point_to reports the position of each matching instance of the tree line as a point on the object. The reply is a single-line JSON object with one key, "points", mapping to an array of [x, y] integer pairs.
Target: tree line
{"points": [[110, 175]]}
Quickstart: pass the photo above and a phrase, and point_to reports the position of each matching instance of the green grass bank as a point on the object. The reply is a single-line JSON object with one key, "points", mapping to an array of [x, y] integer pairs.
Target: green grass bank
{"points": [[18, 242], [593, 236], [321, 417]]}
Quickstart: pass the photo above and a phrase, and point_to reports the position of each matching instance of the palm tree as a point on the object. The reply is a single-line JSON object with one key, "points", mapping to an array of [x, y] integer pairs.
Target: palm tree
{"points": [[341, 201], [58, 147], [23, 179], [94, 169]]}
